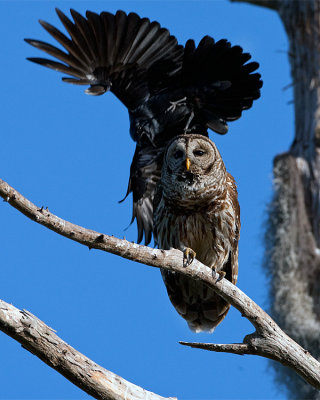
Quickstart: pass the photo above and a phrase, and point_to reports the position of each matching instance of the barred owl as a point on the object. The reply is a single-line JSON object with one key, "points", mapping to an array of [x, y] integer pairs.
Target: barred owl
{"points": [[168, 89], [196, 210]]}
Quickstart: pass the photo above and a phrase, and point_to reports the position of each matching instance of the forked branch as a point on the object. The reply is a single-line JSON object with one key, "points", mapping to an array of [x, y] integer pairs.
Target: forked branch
{"points": [[267, 341]]}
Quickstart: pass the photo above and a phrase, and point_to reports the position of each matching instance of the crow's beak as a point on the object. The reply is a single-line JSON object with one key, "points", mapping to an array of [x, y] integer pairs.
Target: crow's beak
{"points": [[188, 163]]}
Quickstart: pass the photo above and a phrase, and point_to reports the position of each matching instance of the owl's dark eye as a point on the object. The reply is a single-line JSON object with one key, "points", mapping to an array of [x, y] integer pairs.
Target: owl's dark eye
{"points": [[178, 154], [198, 153]]}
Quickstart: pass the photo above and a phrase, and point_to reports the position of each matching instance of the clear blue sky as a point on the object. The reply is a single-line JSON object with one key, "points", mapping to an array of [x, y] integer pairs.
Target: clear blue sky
{"points": [[72, 152]]}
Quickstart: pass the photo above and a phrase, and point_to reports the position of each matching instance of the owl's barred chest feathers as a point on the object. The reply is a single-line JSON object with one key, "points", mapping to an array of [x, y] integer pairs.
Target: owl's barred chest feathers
{"points": [[207, 228]]}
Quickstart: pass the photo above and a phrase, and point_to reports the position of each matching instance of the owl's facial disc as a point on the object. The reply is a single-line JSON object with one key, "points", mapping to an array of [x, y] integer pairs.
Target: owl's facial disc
{"points": [[189, 160], [179, 164]]}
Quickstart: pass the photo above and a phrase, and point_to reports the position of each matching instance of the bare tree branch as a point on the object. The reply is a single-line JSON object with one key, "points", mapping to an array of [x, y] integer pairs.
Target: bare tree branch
{"points": [[268, 340], [272, 4], [40, 340], [234, 348]]}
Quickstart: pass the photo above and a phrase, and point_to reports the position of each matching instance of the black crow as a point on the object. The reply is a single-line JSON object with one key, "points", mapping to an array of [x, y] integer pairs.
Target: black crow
{"points": [[168, 89]]}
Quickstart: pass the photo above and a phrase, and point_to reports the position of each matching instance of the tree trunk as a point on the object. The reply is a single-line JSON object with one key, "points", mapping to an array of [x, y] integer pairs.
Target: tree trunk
{"points": [[293, 233]]}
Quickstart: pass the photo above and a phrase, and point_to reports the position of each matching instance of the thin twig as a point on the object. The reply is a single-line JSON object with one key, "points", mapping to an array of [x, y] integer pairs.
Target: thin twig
{"points": [[234, 348]]}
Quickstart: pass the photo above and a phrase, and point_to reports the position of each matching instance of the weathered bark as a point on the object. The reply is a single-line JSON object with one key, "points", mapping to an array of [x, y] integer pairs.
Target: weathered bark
{"points": [[301, 20], [295, 208], [268, 340], [293, 236], [293, 263]]}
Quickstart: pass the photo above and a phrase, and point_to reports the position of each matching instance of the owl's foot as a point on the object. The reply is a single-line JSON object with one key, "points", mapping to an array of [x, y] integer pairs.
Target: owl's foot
{"points": [[188, 256], [222, 274]]}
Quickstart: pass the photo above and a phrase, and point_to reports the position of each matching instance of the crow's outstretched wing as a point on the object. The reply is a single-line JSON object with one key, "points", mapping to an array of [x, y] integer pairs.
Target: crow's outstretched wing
{"points": [[111, 52]]}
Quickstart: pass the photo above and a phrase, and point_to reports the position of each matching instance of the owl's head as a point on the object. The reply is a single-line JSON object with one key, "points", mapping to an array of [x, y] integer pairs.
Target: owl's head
{"points": [[192, 163]]}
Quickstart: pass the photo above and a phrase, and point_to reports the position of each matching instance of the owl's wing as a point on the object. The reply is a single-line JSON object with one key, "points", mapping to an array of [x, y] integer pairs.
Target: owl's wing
{"points": [[231, 267], [111, 52], [219, 81]]}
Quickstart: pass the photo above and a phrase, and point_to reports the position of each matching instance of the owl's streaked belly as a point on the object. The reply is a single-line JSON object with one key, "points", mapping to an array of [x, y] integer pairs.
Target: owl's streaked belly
{"points": [[207, 237]]}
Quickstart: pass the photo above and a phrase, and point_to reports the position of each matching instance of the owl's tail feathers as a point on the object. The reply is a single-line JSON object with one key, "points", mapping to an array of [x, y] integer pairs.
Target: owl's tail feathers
{"points": [[111, 52], [207, 321], [223, 80], [200, 306]]}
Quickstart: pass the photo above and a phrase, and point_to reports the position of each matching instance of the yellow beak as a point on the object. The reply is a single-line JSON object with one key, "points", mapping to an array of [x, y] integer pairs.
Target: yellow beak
{"points": [[188, 163]]}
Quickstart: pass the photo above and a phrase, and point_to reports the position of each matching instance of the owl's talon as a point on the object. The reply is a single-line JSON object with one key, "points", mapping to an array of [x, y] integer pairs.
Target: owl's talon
{"points": [[221, 275], [188, 256]]}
